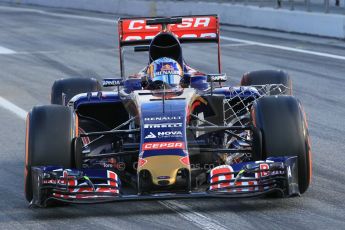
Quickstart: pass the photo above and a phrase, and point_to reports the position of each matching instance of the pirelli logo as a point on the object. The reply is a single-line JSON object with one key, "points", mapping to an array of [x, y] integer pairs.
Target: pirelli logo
{"points": [[163, 125], [163, 145]]}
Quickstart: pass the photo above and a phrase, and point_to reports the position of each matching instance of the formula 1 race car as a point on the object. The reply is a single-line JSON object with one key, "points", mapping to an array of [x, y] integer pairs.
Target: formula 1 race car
{"points": [[169, 131]]}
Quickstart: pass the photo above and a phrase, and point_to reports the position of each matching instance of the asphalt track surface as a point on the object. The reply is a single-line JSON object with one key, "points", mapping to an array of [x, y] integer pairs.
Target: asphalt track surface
{"points": [[40, 45]]}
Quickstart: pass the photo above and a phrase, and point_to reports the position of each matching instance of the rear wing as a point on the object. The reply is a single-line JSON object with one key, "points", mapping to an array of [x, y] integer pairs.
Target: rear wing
{"points": [[141, 31], [201, 28]]}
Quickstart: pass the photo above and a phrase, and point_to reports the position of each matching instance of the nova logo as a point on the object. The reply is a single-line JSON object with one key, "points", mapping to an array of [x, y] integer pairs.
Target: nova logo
{"points": [[163, 145], [150, 136], [170, 134], [163, 125]]}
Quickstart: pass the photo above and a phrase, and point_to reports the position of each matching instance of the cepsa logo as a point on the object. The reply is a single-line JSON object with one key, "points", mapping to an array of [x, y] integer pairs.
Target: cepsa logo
{"points": [[191, 27], [186, 23], [163, 145]]}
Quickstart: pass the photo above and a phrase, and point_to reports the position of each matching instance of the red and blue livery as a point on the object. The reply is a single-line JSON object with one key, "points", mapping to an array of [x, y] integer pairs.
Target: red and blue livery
{"points": [[169, 131]]}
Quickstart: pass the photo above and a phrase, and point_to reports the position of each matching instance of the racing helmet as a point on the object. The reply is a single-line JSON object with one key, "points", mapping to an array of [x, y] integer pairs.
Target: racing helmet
{"points": [[164, 71]]}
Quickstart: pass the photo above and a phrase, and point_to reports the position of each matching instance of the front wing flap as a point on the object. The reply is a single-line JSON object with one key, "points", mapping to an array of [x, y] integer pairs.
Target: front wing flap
{"points": [[69, 185], [248, 179], [276, 173]]}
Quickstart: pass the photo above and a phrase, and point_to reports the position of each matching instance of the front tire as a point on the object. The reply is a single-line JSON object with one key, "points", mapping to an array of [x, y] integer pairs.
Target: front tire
{"points": [[284, 130], [49, 140]]}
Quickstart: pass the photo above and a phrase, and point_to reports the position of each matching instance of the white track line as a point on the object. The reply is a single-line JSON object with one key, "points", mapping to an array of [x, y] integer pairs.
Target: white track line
{"points": [[196, 218], [62, 15], [286, 48], [4, 50], [237, 45], [13, 108]]}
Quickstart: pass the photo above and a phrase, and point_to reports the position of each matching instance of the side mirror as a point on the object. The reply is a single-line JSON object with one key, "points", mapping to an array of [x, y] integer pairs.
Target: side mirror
{"points": [[217, 78], [109, 82]]}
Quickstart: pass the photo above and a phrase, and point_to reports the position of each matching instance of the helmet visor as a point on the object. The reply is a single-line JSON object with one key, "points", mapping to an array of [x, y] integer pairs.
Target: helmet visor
{"points": [[169, 79]]}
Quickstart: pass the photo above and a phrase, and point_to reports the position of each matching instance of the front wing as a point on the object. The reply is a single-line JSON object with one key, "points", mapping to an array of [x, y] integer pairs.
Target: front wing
{"points": [[248, 179]]}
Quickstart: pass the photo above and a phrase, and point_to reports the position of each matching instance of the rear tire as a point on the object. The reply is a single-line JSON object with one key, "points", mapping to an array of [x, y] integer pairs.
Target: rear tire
{"points": [[266, 77], [49, 140], [64, 89], [284, 130]]}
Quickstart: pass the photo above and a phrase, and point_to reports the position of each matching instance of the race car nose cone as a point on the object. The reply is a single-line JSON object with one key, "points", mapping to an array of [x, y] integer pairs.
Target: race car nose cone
{"points": [[163, 169]]}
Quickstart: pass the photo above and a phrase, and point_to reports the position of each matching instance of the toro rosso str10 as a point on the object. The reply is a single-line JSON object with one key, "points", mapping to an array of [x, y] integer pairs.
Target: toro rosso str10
{"points": [[169, 131]]}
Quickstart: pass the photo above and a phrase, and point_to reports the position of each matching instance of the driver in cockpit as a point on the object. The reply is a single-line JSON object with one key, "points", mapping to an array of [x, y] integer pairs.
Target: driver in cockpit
{"points": [[163, 73]]}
